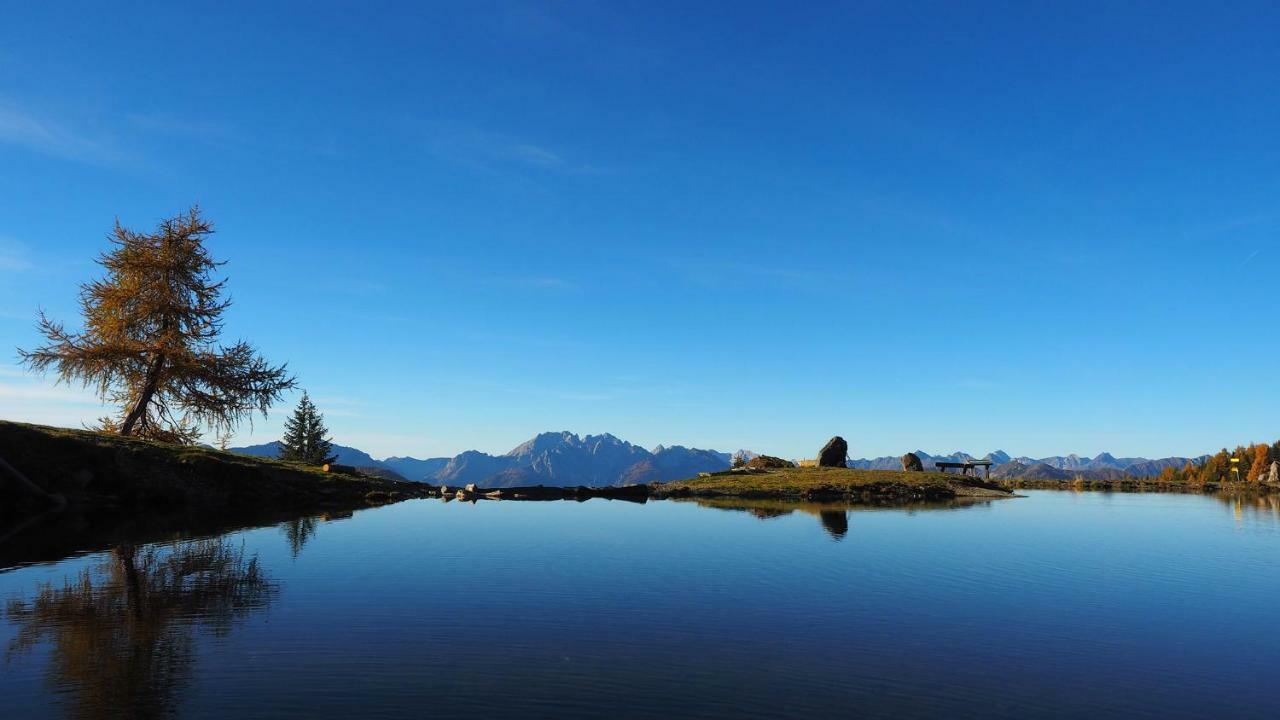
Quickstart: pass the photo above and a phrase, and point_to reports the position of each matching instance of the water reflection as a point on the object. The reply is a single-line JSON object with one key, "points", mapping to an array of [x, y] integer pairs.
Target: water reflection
{"points": [[121, 634], [1257, 508], [833, 516], [298, 532], [836, 522]]}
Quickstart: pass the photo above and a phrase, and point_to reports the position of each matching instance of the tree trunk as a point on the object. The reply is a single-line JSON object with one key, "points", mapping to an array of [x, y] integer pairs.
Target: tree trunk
{"points": [[125, 555], [144, 399]]}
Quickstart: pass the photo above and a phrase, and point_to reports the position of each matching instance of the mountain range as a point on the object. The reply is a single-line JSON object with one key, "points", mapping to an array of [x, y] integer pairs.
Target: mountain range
{"points": [[1104, 466], [567, 459], [553, 458]]}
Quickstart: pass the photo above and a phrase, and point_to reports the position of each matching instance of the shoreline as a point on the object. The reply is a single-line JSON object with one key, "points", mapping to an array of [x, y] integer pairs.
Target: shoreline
{"points": [[1142, 485], [86, 471], [82, 470], [828, 483]]}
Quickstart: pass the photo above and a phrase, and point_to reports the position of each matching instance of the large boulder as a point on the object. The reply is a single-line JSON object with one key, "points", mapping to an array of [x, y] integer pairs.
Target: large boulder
{"points": [[833, 454], [911, 463], [764, 462]]}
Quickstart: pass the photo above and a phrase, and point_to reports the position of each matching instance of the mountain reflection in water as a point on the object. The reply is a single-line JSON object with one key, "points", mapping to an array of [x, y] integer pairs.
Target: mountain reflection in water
{"points": [[121, 635], [833, 516]]}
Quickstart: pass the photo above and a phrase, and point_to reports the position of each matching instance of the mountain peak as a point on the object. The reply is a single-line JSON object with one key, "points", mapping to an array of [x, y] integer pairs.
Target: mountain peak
{"points": [[543, 442]]}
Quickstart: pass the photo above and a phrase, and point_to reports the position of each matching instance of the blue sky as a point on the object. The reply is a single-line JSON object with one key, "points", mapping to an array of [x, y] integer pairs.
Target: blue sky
{"points": [[1045, 228]]}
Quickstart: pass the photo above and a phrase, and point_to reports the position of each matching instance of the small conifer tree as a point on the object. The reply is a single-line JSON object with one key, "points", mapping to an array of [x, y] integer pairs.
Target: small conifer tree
{"points": [[305, 436]]}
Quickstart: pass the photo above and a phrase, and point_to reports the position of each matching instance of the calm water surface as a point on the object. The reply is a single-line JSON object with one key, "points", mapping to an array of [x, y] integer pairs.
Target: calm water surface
{"points": [[1059, 604]]}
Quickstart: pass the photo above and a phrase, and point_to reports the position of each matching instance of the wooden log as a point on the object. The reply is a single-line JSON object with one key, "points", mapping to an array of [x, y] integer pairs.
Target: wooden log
{"points": [[344, 469]]}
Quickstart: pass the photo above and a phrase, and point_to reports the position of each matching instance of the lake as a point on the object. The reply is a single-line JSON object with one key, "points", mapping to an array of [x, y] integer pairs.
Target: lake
{"points": [[1058, 604]]}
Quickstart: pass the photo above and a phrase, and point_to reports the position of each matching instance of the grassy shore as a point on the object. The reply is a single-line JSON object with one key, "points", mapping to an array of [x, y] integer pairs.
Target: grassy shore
{"points": [[103, 471], [814, 483]]}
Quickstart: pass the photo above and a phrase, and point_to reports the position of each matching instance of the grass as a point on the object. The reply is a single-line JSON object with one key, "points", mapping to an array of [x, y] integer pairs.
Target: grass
{"points": [[101, 468], [809, 482]]}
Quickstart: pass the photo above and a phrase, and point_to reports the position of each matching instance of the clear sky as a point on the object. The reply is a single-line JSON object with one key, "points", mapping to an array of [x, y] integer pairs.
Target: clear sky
{"points": [[1044, 228]]}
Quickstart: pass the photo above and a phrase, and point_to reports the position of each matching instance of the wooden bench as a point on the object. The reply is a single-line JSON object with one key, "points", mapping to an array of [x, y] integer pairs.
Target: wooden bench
{"points": [[966, 466]]}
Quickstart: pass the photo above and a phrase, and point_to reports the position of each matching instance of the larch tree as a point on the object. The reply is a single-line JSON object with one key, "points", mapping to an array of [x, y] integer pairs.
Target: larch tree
{"points": [[305, 436], [150, 339], [1261, 465]]}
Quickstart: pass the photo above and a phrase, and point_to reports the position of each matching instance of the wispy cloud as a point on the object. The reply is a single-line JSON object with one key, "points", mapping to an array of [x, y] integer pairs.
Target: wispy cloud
{"points": [[721, 272], [535, 155], [545, 283], [13, 256], [587, 397], [26, 398], [169, 124], [495, 152], [28, 130], [46, 393], [331, 406], [12, 371], [334, 400]]}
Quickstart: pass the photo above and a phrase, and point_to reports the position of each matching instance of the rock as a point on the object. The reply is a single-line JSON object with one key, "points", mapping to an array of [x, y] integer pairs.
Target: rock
{"points": [[911, 463], [762, 462], [470, 487], [834, 453]]}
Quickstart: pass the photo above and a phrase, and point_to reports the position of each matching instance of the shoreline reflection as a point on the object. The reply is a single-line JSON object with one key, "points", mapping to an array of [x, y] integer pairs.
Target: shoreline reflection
{"points": [[121, 633], [834, 516]]}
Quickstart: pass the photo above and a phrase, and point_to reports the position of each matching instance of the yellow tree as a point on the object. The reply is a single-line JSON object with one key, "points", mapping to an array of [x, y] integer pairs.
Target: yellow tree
{"points": [[1260, 462], [149, 342], [1190, 473]]}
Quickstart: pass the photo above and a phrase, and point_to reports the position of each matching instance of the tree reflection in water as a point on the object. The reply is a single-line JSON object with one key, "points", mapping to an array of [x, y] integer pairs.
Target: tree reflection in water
{"points": [[1257, 507], [298, 532], [121, 634]]}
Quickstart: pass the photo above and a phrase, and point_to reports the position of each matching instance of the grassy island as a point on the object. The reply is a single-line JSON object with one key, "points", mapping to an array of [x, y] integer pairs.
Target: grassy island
{"points": [[825, 483]]}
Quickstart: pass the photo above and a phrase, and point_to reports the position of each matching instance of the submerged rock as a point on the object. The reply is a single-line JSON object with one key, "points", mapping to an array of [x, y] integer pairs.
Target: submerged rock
{"points": [[833, 454], [911, 463]]}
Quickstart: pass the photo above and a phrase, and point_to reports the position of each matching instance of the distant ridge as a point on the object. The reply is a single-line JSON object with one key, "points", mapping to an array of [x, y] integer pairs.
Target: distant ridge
{"points": [[343, 456], [1104, 466], [561, 459], [565, 459]]}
